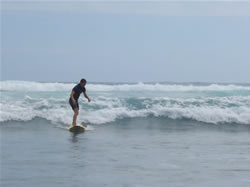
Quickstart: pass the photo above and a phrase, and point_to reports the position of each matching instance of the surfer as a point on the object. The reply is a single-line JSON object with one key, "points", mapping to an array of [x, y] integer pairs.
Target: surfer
{"points": [[75, 94]]}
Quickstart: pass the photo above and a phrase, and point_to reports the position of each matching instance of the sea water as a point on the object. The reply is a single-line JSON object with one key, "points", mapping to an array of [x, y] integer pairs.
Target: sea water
{"points": [[139, 134], [208, 103]]}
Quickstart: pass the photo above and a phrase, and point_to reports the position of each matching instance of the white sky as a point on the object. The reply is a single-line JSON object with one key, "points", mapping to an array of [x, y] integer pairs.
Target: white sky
{"points": [[126, 42]]}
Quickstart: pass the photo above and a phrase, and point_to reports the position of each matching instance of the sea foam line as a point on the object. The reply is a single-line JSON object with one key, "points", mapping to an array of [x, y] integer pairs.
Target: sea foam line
{"points": [[51, 87], [62, 113]]}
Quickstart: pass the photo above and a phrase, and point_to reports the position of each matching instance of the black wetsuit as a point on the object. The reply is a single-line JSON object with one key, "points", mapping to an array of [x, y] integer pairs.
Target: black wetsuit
{"points": [[78, 90]]}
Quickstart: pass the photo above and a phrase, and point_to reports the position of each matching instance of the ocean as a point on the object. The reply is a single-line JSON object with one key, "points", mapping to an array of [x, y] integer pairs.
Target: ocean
{"points": [[138, 134]]}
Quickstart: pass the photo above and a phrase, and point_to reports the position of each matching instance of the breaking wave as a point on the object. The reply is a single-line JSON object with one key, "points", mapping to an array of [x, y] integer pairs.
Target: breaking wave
{"points": [[51, 87], [211, 103]]}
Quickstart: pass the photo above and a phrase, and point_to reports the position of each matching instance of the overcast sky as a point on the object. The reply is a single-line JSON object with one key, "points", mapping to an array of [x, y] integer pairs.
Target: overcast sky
{"points": [[125, 42]]}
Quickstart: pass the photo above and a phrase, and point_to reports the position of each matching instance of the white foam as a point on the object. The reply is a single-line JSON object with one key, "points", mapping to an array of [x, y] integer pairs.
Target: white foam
{"points": [[90, 128], [165, 87], [114, 109], [34, 86], [104, 108], [50, 87]]}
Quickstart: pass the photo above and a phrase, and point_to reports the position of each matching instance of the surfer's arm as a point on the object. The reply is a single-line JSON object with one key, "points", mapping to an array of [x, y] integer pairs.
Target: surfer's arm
{"points": [[86, 96], [72, 98]]}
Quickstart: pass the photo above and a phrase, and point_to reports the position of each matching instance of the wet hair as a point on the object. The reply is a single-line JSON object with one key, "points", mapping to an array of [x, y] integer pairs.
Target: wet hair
{"points": [[83, 81]]}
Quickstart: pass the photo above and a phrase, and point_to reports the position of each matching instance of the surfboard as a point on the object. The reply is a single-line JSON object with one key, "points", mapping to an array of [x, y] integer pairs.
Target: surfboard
{"points": [[77, 128]]}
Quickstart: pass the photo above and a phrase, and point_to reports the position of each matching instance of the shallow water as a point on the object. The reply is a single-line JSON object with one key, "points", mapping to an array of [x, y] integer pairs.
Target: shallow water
{"points": [[130, 152]]}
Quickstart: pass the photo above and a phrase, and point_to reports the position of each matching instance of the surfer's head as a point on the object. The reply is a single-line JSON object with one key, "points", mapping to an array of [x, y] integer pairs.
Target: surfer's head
{"points": [[83, 82]]}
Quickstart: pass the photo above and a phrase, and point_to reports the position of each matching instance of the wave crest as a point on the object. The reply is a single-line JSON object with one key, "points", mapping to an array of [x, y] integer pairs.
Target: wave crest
{"points": [[51, 87], [107, 109]]}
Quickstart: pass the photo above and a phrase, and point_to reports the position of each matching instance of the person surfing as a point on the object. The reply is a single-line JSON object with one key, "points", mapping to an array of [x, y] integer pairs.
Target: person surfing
{"points": [[74, 96]]}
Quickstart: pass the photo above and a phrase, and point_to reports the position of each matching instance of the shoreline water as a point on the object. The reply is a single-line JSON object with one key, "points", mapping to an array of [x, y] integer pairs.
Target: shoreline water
{"points": [[129, 152]]}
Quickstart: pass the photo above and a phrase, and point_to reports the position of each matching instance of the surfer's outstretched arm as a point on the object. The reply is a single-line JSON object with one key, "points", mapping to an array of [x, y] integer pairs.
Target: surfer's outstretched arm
{"points": [[86, 96]]}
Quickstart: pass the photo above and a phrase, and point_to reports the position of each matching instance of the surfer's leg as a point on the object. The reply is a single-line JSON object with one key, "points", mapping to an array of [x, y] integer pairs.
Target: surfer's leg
{"points": [[76, 110]]}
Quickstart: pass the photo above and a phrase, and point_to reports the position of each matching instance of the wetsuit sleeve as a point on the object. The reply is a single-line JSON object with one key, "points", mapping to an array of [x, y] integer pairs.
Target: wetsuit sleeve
{"points": [[75, 89]]}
